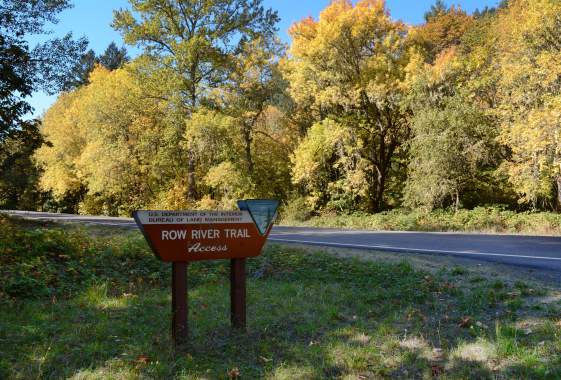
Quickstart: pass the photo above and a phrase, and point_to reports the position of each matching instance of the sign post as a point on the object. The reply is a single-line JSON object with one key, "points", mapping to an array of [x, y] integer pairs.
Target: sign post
{"points": [[180, 237], [237, 293], [179, 303]]}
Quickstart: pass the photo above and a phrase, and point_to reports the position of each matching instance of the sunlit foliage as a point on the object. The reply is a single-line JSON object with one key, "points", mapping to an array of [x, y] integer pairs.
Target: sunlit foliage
{"points": [[359, 112]]}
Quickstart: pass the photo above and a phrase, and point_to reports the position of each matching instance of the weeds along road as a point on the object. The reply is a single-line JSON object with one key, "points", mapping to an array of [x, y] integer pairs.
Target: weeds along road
{"points": [[538, 252]]}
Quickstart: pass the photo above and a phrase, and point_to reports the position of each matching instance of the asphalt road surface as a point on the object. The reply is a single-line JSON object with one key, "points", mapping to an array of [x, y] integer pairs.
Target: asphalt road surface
{"points": [[539, 252]]}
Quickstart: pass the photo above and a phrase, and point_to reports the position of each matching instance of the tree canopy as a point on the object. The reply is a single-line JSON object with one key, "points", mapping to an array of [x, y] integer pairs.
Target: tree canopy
{"points": [[360, 112]]}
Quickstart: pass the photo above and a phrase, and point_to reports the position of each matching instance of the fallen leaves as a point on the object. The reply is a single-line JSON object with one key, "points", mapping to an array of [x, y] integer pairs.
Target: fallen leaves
{"points": [[234, 373], [465, 322], [143, 359], [437, 370]]}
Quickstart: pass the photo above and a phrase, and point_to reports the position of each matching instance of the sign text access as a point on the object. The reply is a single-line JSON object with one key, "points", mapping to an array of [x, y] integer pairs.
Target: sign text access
{"points": [[182, 236]]}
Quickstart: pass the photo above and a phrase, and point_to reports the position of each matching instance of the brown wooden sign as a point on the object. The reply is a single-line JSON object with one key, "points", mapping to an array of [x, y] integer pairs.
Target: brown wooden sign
{"points": [[183, 236]]}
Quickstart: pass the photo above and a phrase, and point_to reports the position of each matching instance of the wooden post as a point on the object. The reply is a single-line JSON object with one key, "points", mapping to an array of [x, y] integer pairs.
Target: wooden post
{"points": [[179, 303], [237, 293]]}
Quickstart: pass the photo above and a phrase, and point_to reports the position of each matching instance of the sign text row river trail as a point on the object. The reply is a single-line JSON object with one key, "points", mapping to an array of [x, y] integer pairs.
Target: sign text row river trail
{"points": [[183, 236]]}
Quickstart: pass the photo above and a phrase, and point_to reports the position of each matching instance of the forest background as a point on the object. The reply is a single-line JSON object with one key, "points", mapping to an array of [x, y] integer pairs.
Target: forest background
{"points": [[360, 113]]}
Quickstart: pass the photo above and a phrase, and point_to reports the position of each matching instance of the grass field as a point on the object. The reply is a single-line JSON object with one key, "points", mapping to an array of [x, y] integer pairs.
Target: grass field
{"points": [[78, 304]]}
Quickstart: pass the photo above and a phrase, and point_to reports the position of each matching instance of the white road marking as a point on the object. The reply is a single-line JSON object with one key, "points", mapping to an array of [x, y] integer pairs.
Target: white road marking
{"points": [[401, 249], [128, 222]]}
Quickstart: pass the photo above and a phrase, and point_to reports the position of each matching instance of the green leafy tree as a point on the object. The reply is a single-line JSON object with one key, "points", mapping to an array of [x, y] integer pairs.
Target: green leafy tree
{"points": [[24, 69], [81, 72], [439, 8], [193, 42], [19, 174], [113, 57], [328, 165]]}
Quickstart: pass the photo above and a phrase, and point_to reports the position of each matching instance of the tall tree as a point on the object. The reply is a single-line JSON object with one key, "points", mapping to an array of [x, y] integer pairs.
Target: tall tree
{"points": [[113, 57], [18, 173], [108, 141], [349, 65], [254, 84], [24, 69], [193, 42], [437, 9], [529, 56], [443, 29], [80, 73]]}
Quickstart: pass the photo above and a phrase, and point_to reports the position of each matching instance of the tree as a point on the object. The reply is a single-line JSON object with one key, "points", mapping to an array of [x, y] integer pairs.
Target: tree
{"points": [[18, 173], [443, 29], [113, 58], [529, 52], [328, 164], [24, 70], [254, 84], [109, 142], [451, 148], [81, 72], [439, 8], [349, 66], [193, 42]]}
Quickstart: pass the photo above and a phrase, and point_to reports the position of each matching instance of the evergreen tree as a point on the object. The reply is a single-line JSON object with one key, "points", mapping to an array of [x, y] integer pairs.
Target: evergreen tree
{"points": [[437, 9], [113, 58], [81, 71]]}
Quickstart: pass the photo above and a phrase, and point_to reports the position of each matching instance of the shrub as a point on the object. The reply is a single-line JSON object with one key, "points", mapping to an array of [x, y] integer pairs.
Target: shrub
{"points": [[480, 219], [296, 210]]}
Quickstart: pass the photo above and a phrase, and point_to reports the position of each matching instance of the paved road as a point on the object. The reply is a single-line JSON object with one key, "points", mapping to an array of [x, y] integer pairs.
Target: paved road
{"points": [[540, 252]]}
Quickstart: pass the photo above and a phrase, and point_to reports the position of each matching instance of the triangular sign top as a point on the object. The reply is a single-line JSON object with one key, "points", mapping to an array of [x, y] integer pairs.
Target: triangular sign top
{"points": [[262, 211]]}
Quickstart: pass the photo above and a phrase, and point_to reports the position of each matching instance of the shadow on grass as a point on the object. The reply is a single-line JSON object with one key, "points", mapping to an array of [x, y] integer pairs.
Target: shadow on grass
{"points": [[309, 317]]}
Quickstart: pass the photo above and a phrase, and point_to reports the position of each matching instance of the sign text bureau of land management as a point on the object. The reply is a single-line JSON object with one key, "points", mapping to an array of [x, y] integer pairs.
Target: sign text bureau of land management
{"points": [[183, 236]]}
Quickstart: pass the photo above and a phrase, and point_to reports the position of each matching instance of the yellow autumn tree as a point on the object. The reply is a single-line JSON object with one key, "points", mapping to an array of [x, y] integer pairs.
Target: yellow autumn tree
{"points": [[65, 143], [529, 45], [441, 31], [349, 66], [108, 139]]}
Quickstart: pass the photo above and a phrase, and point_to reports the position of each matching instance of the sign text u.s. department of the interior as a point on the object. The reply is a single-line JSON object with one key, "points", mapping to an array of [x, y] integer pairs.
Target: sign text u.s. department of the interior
{"points": [[201, 235]]}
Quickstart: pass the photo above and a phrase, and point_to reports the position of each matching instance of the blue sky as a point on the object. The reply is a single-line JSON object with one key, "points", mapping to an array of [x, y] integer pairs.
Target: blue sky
{"points": [[92, 18]]}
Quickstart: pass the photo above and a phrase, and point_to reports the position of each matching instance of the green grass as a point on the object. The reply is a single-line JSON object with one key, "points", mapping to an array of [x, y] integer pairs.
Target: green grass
{"points": [[480, 219], [103, 311]]}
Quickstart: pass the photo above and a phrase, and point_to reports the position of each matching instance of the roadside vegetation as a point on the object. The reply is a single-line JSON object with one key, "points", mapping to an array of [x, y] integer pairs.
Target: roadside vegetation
{"points": [[76, 304], [480, 219]]}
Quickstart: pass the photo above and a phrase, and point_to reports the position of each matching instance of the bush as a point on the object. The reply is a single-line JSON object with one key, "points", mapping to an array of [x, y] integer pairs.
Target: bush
{"points": [[480, 219], [38, 262], [296, 210]]}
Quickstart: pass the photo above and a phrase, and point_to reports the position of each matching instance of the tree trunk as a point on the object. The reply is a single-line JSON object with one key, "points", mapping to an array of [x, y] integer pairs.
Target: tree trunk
{"points": [[377, 187], [192, 185], [247, 138], [557, 190], [457, 201]]}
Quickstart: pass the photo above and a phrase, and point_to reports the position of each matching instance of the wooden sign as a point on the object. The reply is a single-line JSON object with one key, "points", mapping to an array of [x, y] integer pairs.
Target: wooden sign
{"points": [[182, 236]]}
